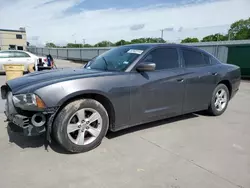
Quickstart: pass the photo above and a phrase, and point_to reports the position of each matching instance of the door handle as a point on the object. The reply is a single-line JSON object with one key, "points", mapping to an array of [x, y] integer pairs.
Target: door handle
{"points": [[180, 80], [9, 59]]}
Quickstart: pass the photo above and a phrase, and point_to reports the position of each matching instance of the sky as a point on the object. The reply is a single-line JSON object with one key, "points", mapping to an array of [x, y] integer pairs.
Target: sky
{"points": [[64, 21]]}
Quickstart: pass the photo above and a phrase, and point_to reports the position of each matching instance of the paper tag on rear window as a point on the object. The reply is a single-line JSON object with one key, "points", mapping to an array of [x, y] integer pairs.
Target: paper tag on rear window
{"points": [[132, 51]]}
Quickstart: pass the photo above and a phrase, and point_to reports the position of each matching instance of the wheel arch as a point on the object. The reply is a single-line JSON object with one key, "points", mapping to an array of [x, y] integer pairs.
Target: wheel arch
{"points": [[228, 84], [100, 97]]}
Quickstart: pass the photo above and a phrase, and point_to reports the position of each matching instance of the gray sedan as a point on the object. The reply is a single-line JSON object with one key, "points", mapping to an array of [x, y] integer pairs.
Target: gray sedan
{"points": [[124, 87]]}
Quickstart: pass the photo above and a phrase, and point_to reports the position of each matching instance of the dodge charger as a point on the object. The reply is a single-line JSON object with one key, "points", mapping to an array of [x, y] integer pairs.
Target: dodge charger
{"points": [[123, 87]]}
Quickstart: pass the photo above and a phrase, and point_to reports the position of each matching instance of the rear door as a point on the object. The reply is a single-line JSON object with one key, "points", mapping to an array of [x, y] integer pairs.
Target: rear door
{"points": [[158, 93], [21, 57], [200, 80]]}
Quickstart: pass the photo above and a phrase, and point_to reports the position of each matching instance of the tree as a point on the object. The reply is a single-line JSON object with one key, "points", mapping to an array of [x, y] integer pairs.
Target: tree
{"points": [[73, 45], [147, 40], [215, 37], [121, 42], [87, 46], [50, 45], [240, 30], [104, 44], [160, 40], [190, 40]]}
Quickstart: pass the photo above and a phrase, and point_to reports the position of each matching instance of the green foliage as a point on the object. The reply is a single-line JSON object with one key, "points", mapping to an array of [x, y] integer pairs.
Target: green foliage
{"points": [[240, 30], [73, 45], [50, 45], [121, 42], [87, 46], [104, 44], [190, 40], [215, 37], [147, 40]]}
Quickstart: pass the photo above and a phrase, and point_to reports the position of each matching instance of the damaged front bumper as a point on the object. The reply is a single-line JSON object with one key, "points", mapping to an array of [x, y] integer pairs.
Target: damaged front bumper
{"points": [[28, 129], [31, 123]]}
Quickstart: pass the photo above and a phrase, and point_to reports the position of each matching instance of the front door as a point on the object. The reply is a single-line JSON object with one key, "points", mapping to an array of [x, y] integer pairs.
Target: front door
{"points": [[159, 93], [4, 58]]}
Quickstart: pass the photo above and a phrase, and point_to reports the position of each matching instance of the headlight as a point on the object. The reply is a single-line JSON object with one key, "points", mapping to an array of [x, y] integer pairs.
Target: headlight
{"points": [[28, 101]]}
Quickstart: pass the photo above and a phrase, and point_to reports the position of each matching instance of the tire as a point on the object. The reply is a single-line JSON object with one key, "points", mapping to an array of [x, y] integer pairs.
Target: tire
{"points": [[214, 109], [72, 115]]}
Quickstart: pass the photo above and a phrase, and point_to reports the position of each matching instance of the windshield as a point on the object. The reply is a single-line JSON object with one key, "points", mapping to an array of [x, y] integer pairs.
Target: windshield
{"points": [[117, 59]]}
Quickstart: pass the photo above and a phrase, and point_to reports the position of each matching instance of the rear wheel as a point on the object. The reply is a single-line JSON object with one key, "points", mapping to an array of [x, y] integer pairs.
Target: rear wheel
{"points": [[81, 125], [219, 101]]}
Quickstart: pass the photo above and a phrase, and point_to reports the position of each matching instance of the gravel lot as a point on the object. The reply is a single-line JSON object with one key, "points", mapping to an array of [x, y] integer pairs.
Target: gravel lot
{"points": [[192, 151]]}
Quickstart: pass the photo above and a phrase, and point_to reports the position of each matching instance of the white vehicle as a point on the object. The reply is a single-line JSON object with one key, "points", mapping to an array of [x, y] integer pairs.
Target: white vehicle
{"points": [[19, 57]]}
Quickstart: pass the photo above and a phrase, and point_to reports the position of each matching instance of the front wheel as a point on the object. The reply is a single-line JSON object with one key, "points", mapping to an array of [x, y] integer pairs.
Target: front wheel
{"points": [[219, 101], [81, 125]]}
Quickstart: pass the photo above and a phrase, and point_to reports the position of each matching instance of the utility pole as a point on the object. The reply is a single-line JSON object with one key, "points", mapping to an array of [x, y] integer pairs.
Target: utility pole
{"points": [[83, 42], [229, 35], [162, 30]]}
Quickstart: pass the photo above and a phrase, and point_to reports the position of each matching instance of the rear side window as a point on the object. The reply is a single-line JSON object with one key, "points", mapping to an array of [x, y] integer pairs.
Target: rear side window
{"points": [[164, 58], [207, 59], [214, 61], [21, 54], [193, 58]]}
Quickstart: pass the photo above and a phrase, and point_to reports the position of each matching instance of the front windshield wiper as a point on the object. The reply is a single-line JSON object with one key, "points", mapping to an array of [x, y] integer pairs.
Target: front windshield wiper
{"points": [[106, 63]]}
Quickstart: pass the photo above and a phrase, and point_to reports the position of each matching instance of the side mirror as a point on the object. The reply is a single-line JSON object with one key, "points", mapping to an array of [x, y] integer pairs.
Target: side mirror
{"points": [[89, 62], [86, 64], [146, 66]]}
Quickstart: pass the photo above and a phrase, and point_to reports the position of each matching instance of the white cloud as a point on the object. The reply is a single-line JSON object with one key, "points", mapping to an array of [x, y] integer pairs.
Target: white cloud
{"points": [[50, 24]]}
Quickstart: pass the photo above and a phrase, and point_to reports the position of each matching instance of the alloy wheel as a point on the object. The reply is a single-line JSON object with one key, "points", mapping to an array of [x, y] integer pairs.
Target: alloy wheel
{"points": [[84, 126], [220, 100]]}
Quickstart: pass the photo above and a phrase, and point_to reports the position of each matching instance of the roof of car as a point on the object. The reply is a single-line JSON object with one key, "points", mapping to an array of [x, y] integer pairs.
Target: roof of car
{"points": [[159, 44], [13, 51], [151, 45]]}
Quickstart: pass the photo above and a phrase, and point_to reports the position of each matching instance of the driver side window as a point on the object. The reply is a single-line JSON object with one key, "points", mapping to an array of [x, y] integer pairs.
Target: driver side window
{"points": [[164, 58]]}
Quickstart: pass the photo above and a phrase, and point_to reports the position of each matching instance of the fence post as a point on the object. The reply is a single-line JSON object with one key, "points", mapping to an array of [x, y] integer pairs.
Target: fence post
{"points": [[67, 53], [217, 51], [81, 54], [57, 52]]}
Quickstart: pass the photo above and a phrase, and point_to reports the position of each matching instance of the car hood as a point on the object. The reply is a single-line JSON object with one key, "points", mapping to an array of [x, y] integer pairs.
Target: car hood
{"points": [[35, 80]]}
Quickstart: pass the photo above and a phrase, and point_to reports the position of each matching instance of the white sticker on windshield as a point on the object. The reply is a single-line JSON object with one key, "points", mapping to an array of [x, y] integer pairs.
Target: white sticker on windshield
{"points": [[132, 51], [125, 62]]}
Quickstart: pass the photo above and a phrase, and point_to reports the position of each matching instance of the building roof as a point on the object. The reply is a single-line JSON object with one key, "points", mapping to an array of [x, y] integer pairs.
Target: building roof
{"points": [[11, 30]]}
